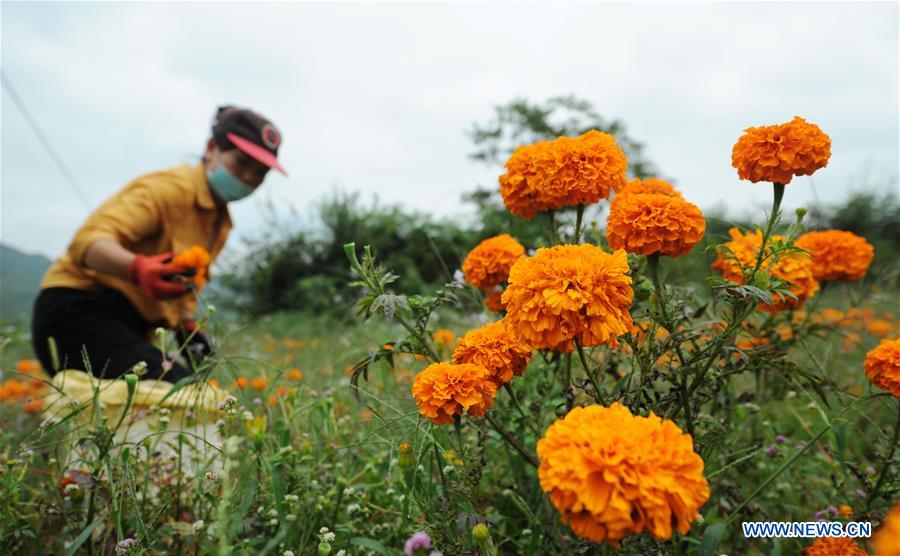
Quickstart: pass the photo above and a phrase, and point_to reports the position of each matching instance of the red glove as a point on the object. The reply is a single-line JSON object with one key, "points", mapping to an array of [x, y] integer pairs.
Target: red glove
{"points": [[153, 274]]}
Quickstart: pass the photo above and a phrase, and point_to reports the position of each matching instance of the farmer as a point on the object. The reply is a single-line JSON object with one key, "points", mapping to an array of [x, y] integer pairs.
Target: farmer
{"points": [[116, 284]]}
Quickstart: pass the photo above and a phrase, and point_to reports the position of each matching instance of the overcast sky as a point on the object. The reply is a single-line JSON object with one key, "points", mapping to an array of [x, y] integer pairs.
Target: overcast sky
{"points": [[377, 97]]}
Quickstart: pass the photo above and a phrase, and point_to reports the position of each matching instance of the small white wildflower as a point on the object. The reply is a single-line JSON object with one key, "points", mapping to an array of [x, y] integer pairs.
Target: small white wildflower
{"points": [[227, 402], [140, 368]]}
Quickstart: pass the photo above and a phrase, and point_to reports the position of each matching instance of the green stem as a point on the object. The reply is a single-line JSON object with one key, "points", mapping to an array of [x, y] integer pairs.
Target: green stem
{"points": [[778, 195], [553, 232], [513, 441], [887, 461], [515, 400], [579, 214], [590, 374]]}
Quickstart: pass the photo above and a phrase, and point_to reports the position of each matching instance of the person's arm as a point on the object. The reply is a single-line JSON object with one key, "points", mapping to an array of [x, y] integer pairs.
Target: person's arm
{"points": [[107, 256]]}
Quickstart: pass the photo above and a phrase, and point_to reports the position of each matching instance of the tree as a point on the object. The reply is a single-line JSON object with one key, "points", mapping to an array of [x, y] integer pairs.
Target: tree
{"points": [[521, 122]]}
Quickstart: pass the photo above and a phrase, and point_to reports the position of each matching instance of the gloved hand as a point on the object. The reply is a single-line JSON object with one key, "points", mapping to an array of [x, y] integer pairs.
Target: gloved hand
{"points": [[153, 274], [198, 344]]}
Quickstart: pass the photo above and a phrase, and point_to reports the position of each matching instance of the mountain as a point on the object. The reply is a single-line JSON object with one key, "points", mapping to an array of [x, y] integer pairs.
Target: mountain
{"points": [[20, 279]]}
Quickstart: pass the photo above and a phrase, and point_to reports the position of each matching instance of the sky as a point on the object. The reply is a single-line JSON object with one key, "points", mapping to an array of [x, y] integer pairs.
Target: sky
{"points": [[378, 97]]}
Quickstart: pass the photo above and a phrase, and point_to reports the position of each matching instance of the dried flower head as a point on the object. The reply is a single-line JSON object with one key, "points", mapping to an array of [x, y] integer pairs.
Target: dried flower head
{"points": [[443, 390], [882, 366], [488, 264], [645, 224], [837, 255], [792, 267], [570, 292], [549, 175], [777, 153], [611, 474], [495, 347]]}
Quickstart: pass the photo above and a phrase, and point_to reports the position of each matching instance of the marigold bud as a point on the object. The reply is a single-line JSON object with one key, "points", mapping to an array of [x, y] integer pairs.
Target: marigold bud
{"points": [[761, 280], [480, 533], [406, 459]]}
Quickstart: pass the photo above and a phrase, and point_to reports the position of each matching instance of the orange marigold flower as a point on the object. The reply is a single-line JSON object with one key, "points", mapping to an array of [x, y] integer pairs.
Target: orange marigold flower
{"points": [[570, 292], [886, 540], [493, 301], [495, 347], [28, 366], [259, 383], [882, 328], [882, 366], [488, 264], [33, 406], [828, 317], [549, 175], [242, 382], [837, 255], [834, 546], [653, 186], [794, 268], [443, 390], [295, 374], [197, 258], [777, 153], [444, 337], [645, 224], [12, 389], [611, 474]]}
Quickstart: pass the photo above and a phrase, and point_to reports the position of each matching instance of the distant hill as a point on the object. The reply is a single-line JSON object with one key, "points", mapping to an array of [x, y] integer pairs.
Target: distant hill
{"points": [[20, 279]]}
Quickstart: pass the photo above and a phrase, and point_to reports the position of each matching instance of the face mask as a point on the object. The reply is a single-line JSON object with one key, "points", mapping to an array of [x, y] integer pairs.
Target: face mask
{"points": [[225, 186]]}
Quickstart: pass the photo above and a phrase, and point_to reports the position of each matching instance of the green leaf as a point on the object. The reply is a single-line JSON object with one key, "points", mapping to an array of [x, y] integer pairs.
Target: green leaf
{"points": [[711, 539], [83, 536], [371, 544]]}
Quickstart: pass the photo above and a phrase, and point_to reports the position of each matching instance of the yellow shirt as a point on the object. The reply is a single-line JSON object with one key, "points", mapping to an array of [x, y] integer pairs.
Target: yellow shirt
{"points": [[169, 210]]}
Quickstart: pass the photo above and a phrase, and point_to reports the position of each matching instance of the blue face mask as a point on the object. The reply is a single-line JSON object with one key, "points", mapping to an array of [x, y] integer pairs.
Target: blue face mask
{"points": [[225, 186]]}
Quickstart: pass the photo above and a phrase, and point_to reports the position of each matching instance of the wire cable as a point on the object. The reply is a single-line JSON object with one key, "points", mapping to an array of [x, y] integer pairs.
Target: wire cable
{"points": [[44, 140]]}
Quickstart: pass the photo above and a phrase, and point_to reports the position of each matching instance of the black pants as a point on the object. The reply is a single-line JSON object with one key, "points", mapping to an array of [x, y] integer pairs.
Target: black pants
{"points": [[104, 324]]}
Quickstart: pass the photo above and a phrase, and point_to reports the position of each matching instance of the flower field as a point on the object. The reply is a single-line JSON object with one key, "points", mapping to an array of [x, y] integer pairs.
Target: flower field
{"points": [[569, 397]]}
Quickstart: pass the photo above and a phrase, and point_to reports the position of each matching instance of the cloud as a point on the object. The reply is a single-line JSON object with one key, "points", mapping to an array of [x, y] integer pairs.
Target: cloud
{"points": [[377, 97]]}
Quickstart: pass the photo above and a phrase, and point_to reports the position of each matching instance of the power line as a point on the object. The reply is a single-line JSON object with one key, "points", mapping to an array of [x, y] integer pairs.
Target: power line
{"points": [[45, 141]]}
